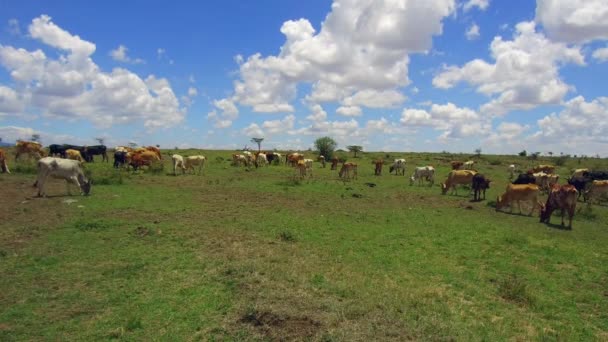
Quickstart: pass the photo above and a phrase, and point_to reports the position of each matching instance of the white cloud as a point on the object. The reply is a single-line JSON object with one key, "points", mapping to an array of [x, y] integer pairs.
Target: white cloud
{"points": [[472, 32], [10, 102], [280, 126], [120, 54], [349, 110], [525, 74], [73, 87], [455, 122], [362, 47], [11, 134], [192, 92], [13, 27], [574, 21], [253, 130], [601, 54], [507, 138], [480, 4]]}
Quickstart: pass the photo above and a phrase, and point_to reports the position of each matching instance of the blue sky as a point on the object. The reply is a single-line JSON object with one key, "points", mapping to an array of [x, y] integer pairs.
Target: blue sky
{"points": [[388, 75]]}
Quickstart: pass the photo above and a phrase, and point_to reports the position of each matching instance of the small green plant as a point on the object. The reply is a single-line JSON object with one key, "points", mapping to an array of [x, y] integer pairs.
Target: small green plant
{"points": [[88, 225], [514, 289], [287, 236]]}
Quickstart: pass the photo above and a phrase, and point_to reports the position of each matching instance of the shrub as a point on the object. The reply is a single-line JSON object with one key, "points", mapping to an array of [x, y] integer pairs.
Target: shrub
{"points": [[495, 162]]}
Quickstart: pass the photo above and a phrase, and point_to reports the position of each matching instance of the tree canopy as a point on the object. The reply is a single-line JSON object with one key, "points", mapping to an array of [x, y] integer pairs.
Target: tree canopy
{"points": [[326, 147], [355, 149]]}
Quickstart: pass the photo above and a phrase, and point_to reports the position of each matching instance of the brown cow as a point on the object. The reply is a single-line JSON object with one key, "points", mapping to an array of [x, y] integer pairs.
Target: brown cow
{"points": [[560, 197], [457, 177], [518, 193], [378, 163], [347, 169], [456, 165], [548, 169], [143, 159], [3, 165], [293, 158], [30, 148], [74, 155], [334, 163]]}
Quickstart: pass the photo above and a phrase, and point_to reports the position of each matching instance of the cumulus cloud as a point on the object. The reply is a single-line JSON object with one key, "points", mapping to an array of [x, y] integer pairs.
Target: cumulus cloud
{"points": [[253, 130], [120, 54], [524, 75], [73, 87], [472, 32], [359, 57], [454, 121], [508, 137], [349, 110], [11, 134], [280, 126], [574, 21], [601, 54], [480, 4]]}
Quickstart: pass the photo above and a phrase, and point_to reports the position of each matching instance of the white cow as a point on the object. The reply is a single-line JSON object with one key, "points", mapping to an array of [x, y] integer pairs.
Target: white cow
{"points": [[468, 165], [178, 161], [261, 159], [423, 173], [308, 165], [511, 170], [398, 166], [193, 161], [70, 170]]}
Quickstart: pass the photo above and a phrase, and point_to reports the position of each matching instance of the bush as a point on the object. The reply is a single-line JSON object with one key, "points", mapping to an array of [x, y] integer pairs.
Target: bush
{"points": [[561, 161], [326, 147], [495, 162]]}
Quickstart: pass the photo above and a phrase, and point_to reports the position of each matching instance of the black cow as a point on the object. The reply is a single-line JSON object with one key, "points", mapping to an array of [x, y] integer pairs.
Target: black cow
{"points": [[270, 156], [480, 184], [120, 159], [81, 149], [596, 175], [57, 150], [581, 184], [96, 150], [525, 178]]}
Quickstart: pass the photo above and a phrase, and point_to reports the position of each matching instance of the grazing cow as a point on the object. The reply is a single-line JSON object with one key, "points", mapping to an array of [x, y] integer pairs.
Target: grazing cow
{"points": [[300, 169], [560, 197], [96, 150], [518, 193], [193, 161], [334, 163], [270, 157], [596, 190], [480, 184], [293, 158], [74, 155], [277, 158], [120, 158], [468, 165], [308, 165], [70, 170], [378, 163], [3, 165], [398, 166], [457, 177], [143, 159], [321, 160], [57, 150], [578, 173], [423, 173], [511, 170], [525, 178], [31, 148], [456, 165], [548, 169], [178, 161], [261, 159], [348, 171], [239, 159]]}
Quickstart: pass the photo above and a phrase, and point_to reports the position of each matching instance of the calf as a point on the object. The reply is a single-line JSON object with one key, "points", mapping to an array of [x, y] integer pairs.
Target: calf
{"points": [[457, 177], [300, 169], [178, 162], [597, 189], [308, 165], [3, 165], [423, 173], [70, 170], [378, 163], [560, 197], [193, 161], [74, 155], [480, 184], [398, 166], [518, 193]]}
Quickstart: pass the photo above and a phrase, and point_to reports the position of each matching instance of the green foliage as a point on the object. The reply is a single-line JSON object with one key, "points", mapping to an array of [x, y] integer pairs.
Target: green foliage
{"points": [[495, 162], [355, 149], [523, 153], [561, 160], [326, 147]]}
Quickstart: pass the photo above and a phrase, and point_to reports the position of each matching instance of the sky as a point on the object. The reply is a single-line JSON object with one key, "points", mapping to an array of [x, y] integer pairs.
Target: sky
{"points": [[393, 75]]}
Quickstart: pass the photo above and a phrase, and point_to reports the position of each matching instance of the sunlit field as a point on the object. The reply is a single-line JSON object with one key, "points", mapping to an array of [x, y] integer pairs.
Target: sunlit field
{"points": [[256, 254]]}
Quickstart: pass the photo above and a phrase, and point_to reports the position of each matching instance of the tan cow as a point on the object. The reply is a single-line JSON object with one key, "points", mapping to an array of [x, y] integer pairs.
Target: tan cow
{"points": [[518, 193], [3, 164], [597, 189], [348, 171], [578, 173], [31, 148], [457, 177], [193, 161], [548, 169], [74, 155], [178, 162], [468, 165]]}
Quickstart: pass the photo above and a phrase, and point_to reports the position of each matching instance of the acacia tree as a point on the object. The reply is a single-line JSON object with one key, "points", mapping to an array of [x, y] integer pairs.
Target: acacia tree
{"points": [[100, 140], [326, 147], [259, 142], [478, 152], [355, 149], [35, 137]]}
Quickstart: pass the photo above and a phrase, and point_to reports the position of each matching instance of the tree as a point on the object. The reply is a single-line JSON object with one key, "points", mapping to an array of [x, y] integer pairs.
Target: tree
{"points": [[100, 140], [478, 152], [326, 147], [132, 144], [35, 137], [259, 142], [523, 153], [550, 154], [355, 149]]}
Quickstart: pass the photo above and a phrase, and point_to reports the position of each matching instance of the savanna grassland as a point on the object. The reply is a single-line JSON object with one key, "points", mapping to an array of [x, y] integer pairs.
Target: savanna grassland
{"points": [[238, 254]]}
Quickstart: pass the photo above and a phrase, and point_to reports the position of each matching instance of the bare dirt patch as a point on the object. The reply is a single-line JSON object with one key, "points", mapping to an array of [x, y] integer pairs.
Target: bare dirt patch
{"points": [[281, 326]]}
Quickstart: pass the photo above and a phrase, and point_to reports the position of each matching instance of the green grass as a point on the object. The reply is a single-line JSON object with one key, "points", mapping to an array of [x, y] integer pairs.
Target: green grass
{"points": [[254, 255]]}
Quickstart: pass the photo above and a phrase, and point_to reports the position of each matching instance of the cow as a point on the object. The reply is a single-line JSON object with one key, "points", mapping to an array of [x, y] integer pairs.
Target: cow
{"points": [[457, 177], [277, 158], [271, 157], [456, 165], [518, 193], [348, 171], [321, 159], [578, 173], [480, 184], [293, 158], [178, 162], [3, 164], [545, 181], [300, 169], [596, 175], [70, 170], [31, 148], [239, 159], [261, 159], [468, 165], [120, 158], [96, 150], [192, 161], [156, 150], [378, 163], [524, 178], [145, 158], [596, 190], [334, 163], [511, 170], [123, 149], [560, 197], [548, 169], [74, 155], [398, 166], [57, 150], [423, 173]]}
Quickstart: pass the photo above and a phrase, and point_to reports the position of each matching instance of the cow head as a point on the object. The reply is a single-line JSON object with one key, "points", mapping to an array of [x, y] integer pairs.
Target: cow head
{"points": [[412, 180], [499, 202], [86, 187], [545, 213], [444, 188]]}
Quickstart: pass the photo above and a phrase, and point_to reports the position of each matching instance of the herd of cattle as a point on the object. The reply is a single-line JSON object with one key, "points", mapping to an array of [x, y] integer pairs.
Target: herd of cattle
{"points": [[65, 162]]}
